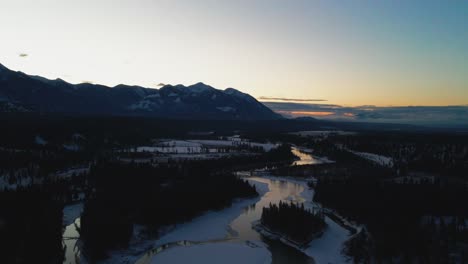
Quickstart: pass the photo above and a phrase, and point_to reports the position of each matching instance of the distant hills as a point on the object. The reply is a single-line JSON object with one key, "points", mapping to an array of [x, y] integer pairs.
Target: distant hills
{"points": [[20, 92]]}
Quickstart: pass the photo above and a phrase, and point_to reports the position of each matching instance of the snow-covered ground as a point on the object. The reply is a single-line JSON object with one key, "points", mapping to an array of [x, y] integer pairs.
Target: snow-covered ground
{"points": [[379, 159], [320, 133], [211, 238], [199, 146], [70, 236], [306, 158], [210, 226], [71, 213], [72, 147], [236, 142], [72, 171], [172, 146], [26, 180], [21, 182], [40, 141], [215, 253], [327, 248]]}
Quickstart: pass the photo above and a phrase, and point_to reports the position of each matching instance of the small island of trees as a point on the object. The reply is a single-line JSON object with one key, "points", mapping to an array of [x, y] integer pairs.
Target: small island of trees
{"points": [[293, 221]]}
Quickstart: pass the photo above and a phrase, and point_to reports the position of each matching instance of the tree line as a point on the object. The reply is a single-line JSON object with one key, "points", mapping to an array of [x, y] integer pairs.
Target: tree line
{"points": [[126, 194], [293, 220]]}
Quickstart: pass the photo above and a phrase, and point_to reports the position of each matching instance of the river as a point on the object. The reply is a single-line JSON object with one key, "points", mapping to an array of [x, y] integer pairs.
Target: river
{"points": [[239, 228]]}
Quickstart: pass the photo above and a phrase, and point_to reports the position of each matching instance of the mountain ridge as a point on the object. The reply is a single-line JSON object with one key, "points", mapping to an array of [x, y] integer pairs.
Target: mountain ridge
{"points": [[24, 92]]}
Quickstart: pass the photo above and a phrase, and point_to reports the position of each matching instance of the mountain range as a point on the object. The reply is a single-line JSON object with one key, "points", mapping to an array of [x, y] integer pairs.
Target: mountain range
{"points": [[20, 92]]}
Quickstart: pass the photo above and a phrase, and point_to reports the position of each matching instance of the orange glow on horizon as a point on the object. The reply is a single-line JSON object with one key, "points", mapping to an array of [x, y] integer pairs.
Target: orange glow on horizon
{"points": [[307, 113]]}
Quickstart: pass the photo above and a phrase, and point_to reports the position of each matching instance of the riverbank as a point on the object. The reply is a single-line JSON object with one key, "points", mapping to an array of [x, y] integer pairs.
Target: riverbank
{"points": [[282, 237], [215, 253], [328, 247], [213, 225]]}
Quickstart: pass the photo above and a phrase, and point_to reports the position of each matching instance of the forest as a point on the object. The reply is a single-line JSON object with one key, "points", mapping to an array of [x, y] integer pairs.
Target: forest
{"points": [[418, 222], [294, 221], [30, 227], [124, 195]]}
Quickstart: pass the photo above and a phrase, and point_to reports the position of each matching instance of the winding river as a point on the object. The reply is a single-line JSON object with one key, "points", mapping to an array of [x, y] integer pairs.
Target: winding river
{"points": [[240, 229]]}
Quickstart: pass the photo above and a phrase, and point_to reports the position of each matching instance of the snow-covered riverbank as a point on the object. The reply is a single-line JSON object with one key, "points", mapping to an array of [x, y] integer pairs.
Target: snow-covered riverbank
{"points": [[215, 234], [210, 226], [216, 253], [328, 247], [70, 236]]}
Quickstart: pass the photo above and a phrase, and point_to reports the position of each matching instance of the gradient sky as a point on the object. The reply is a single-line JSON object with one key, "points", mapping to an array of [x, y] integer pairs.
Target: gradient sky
{"points": [[395, 52]]}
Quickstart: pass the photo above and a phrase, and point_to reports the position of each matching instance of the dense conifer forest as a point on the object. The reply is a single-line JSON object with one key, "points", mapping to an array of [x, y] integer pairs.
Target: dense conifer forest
{"points": [[423, 222], [46, 165], [127, 194], [30, 227], [294, 221]]}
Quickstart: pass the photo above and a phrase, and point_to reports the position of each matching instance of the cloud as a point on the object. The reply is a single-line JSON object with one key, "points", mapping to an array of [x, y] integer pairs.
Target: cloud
{"points": [[160, 84], [290, 99], [23, 55], [307, 113], [423, 115]]}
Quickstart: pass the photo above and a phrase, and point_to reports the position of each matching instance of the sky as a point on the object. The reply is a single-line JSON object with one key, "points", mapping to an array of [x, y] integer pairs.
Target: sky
{"points": [[433, 116], [348, 53]]}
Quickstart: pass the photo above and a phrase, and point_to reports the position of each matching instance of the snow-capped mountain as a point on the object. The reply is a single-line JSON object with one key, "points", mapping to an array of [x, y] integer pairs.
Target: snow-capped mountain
{"points": [[21, 92]]}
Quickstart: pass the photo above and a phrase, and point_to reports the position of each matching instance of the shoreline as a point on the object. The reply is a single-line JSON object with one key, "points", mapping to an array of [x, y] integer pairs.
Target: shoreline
{"points": [[263, 230], [216, 223]]}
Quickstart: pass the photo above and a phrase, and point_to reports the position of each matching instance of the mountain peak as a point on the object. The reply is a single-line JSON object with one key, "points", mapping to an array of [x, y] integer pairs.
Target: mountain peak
{"points": [[232, 91], [198, 101], [3, 68], [200, 87]]}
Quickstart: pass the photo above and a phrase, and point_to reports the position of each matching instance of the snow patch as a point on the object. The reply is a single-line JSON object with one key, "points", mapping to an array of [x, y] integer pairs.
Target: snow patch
{"points": [[379, 159], [226, 109], [40, 141], [213, 225], [226, 253], [71, 213], [324, 134], [143, 105], [71, 147], [156, 95], [78, 136], [328, 247]]}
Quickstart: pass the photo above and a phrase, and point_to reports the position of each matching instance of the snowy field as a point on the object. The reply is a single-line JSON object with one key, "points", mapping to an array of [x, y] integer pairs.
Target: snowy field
{"points": [[306, 157], [24, 181], [379, 159], [71, 213], [323, 134], [72, 171], [215, 253], [199, 146], [210, 226], [70, 236], [21, 182], [326, 249], [208, 238]]}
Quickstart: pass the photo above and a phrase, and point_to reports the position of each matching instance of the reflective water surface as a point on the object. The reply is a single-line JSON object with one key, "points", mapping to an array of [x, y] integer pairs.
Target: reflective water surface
{"points": [[242, 230], [304, 158], [70, 239]]}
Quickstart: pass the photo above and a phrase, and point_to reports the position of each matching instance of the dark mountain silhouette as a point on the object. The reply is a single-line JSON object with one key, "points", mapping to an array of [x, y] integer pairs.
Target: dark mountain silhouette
{"points": [[20, 92]]}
